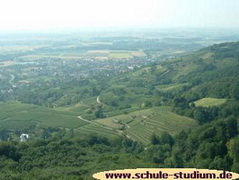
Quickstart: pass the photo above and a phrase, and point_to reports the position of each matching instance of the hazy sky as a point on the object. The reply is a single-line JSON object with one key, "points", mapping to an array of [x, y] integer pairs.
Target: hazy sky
{"points": [[45, 14]]}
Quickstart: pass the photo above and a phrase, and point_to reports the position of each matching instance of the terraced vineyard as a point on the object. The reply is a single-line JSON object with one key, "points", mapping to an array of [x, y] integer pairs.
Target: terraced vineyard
{"points": [[140, 125], [137, 125], [96, 129], [16, 115]]}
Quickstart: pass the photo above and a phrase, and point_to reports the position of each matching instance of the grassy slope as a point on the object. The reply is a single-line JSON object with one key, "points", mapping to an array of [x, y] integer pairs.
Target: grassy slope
{"points": [[16, 115], [206, 102]]}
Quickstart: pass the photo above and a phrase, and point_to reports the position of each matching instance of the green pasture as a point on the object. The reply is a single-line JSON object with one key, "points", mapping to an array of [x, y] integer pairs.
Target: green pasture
{"points": [[206, 102]]}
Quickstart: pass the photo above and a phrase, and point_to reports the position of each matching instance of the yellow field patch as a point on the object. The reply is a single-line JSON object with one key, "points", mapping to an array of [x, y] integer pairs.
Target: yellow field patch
{"points": [[138, 53], [207, 102], [120, 55], [6, 63]]}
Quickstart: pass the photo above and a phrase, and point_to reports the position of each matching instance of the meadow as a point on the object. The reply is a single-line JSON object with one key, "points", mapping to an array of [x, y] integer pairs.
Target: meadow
{"points": [[207, 102]]}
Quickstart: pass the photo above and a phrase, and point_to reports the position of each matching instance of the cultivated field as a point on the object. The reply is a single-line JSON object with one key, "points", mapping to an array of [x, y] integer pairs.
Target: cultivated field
{"points": [[120, 55], [76, 54], [96, 129], [16, 115], [206, 102], [137, 125], [140, 125], [6, 63]]}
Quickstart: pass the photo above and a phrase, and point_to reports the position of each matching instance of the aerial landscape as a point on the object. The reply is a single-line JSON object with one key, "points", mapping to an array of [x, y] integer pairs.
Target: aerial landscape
{"points": [[80, 100]]}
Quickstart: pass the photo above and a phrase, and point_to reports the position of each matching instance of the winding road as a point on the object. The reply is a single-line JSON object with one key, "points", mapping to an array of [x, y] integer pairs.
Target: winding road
{"points": [[104, 126], [81, 118], [93, 122], [12, 78]]}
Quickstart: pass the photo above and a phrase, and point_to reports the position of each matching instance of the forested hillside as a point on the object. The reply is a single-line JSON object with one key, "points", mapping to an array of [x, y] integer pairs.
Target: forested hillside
{"points": [[188, 84]]}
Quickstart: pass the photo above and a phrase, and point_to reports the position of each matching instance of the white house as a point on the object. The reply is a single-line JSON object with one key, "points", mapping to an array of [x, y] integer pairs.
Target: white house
{"points": [[24, 137]]}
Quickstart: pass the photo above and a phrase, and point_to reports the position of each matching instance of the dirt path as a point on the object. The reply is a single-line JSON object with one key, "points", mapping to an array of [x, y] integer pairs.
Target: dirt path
{"points": [[106, 127], [93, 122], [98, 100], [12, 78], [81, 118]]}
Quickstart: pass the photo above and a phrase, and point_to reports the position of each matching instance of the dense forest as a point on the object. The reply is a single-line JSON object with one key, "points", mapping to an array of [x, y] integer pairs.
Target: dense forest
{"points": [[212, 146]]}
